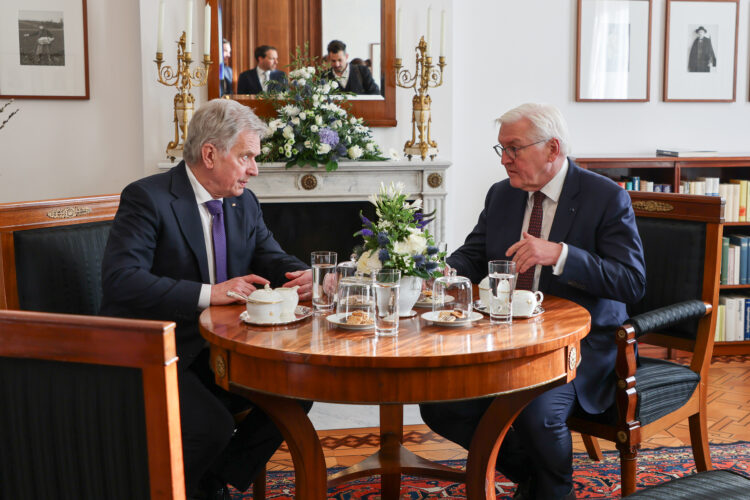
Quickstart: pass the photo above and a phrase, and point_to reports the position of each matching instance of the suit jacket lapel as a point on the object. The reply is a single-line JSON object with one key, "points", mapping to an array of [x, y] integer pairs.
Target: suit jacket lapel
{"points": [[565, 215], [256, 81], [233, 223], [186, 213]]}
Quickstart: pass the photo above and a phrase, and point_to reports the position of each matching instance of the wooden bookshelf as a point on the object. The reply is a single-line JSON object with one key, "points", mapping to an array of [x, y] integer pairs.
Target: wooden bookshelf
{"points": [[671, 170]]}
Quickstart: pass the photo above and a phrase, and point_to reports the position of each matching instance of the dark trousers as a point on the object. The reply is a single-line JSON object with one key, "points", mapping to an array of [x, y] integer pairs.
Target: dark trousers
{"points": [[211, 443], [537, 449]]}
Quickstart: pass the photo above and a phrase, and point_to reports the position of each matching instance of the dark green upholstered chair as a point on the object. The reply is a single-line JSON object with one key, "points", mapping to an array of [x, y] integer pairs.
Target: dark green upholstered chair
{"points": [[709, 485], [51, 253], [90, 408], [682, 246]]}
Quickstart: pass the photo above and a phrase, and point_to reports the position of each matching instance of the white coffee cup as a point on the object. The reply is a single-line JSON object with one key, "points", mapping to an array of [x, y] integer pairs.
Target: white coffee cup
{"points": [[525, 302]]}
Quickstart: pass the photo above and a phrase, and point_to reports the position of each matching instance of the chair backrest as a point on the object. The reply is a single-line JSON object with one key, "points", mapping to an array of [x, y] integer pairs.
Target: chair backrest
{"points": [[682, 248], [51, 253], [90, 408]]}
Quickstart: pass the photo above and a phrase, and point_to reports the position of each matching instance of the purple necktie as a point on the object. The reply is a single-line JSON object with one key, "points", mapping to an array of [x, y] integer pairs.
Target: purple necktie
{"points": [[526, 280], [220, 239]]}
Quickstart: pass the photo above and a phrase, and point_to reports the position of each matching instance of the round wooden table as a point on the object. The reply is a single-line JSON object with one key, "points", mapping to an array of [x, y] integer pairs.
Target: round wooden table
{"points": [[314, 360]]}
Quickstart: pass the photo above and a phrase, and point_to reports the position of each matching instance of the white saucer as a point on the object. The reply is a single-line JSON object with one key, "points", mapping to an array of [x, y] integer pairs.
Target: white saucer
{"points": [[433, 316], [479, 306], [300, 313], [409, 314], [429, 303], [337, 320]]}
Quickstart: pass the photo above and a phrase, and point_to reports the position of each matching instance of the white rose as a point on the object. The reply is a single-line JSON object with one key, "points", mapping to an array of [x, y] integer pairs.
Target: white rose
{"points": [[301, 82], [370, 146], [369, 262], [290, 110], [319, 120], [401, 247], [295, 121], [334, 85], [326, 88], [265, 150], [302, 115], [288, 132], [324, 149], [314, 128], [417, 243], [353, 120], [308, 144], [274, 124], [336, 124]]}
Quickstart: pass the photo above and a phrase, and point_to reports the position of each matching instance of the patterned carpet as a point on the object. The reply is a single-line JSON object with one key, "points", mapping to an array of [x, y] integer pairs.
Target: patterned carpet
{"points": [[592, 479]]}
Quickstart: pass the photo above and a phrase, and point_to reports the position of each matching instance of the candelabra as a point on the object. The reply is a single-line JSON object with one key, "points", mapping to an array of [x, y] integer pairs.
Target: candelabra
{"points": [[426, 75], [183, 80]]}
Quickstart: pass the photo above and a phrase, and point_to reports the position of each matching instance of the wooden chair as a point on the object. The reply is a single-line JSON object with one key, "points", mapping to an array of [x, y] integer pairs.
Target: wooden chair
{"points": [[682, 245], [89, 409]]}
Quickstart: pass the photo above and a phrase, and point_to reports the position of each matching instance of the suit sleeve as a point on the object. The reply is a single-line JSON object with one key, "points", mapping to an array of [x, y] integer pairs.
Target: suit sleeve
{"points": [[243, 84], [470, 259], [127, 280], [368, 84], [617, 270]]}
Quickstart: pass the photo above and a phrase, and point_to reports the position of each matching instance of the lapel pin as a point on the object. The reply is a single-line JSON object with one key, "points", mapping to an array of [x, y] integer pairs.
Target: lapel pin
{"points": [[234, 204]]}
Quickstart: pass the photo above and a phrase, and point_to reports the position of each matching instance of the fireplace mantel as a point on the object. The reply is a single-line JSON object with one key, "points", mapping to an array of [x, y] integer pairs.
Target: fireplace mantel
{"points": [[355, 181]]}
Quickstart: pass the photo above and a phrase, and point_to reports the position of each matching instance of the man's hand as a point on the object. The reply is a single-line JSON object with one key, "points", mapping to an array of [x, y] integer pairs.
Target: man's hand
{"points": [[303, 279], [242, 284], [531, 251]]}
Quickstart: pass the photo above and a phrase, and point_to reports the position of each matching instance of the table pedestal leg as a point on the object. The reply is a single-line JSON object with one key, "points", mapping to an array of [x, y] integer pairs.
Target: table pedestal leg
{"points": [[304, 445], [480, 464]]}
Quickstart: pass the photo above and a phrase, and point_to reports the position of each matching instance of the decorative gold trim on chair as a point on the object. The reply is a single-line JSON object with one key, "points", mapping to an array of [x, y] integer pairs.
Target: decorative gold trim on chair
{"points": [[68, 212], [652, 206]]}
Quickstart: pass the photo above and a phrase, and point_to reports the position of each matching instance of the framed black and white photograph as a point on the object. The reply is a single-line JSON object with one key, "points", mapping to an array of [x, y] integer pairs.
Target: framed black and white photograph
{"points": [[614, 50], [701, 50], [43, 49]]}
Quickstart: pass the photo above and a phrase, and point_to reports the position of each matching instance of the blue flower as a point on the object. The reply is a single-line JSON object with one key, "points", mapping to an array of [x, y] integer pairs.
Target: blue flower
{"points": [[367, 232], [365, 220], [432, 250], [431, 266], [383, 238], [383, 255], [419, 259], [328, 136]]}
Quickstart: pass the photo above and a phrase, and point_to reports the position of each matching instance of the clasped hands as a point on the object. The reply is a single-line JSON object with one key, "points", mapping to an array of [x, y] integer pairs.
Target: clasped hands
{"points": [[246, 285], [530, 251]]}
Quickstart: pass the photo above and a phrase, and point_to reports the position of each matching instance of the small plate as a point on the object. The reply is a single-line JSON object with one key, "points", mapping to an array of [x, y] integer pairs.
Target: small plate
{"points": [[300, 313], [479, 306], [432, 317], [337, 320], [429, 303], [409, 314]]}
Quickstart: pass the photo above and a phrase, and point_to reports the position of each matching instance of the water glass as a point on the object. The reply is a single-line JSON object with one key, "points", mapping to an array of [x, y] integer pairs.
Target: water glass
{"points": [[386, 301], [502, 274], [355, 294], [324, 280], [345, 269]]}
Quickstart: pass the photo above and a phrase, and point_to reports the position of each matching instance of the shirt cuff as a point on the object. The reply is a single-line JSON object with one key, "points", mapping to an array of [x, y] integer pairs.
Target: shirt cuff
{"points": [[557, 269], [204, 299]]}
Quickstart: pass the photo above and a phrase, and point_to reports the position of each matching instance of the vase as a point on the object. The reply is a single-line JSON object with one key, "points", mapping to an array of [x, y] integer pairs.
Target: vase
{"points": [[409, 289]]}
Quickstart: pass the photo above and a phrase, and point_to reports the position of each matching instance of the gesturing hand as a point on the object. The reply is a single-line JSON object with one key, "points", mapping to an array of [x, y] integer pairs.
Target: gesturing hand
{"points": [[303, 279], [241, 284], [531, 251]]}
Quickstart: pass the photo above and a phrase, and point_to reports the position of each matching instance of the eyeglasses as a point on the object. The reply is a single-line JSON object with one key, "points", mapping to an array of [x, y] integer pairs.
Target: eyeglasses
{"points": [[512, 151]]}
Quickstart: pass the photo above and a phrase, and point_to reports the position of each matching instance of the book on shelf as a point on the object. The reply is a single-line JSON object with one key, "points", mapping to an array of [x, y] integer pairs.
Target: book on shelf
{"points": [[682, 153], [742, 214], [719, 331], [742, 242], [724, 260]]}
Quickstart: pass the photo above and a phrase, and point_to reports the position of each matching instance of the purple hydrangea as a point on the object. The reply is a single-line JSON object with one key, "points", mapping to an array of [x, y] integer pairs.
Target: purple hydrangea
{"points": [[328, 136]]}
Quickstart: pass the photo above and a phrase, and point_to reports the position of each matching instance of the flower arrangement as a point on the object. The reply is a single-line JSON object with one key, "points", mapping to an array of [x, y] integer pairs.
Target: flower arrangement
{"points": [[399, 239], [311, 126]]}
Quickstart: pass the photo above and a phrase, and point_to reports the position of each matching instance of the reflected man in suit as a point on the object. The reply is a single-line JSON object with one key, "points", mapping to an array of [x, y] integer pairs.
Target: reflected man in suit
{"points": [[350, 77], [169, 256], [264, 77], [587, 250], [226, 70]]}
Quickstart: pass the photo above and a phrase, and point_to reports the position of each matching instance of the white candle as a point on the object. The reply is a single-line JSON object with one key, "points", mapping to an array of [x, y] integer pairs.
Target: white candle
{"points": [[207, 30], [160, 29], [398, 33], [442, 34], [429, 26], [189, 27]]}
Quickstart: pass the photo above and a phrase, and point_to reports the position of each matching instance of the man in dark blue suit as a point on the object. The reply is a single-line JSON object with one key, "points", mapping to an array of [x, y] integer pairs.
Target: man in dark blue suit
{"points": [[354, 78], [264, 77], [164, 261], [588, 251]]}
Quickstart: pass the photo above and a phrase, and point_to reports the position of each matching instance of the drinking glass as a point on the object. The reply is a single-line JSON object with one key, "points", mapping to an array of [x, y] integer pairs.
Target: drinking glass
{"points": [[502, 274], [344, 270], [386, 301], [452, 293], [355, 294], [324, 280]]}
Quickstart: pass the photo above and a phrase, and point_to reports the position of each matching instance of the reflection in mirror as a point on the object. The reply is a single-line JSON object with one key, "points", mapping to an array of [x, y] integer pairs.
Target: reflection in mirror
{"points": [[362, 45]]}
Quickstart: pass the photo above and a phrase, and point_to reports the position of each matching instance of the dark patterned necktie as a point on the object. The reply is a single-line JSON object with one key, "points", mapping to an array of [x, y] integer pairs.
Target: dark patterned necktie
{"points": [[526, 280], [220, 239]]}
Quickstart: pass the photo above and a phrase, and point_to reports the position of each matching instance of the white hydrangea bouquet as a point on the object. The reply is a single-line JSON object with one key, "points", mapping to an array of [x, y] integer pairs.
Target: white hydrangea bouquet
{"points": [[398, 240], [311, 126]]}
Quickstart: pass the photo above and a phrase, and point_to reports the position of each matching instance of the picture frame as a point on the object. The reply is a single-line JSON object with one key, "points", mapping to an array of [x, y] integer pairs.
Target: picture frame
{"points": [[613, 51], [700, 53], [44, 49]]}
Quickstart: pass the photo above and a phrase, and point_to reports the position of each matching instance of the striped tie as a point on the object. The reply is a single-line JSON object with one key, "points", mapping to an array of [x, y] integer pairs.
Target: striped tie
{"points": [[526, 280]]}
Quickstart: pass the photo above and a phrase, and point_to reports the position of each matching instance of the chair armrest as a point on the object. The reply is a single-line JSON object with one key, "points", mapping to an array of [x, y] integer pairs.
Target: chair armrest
{"points": [[668, 316]]}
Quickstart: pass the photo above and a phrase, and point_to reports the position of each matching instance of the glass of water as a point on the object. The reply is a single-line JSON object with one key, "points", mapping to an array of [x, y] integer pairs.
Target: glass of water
{"points": [[324, 280], [502, 274], [386, 301]]}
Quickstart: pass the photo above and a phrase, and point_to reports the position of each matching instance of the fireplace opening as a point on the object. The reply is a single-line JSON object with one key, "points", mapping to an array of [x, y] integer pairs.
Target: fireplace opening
{"points": [[301, 228]]}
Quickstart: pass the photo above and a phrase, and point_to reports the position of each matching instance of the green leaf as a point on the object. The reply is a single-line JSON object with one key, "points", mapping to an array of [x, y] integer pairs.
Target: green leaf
{"points": [[331, 165]]}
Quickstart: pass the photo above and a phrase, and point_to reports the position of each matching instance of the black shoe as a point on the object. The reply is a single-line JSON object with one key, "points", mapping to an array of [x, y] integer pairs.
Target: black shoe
{"points": [[212, 489]]}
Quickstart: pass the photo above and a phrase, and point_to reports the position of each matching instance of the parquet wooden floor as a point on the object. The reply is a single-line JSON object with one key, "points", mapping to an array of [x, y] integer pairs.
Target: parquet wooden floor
{"points": [[728, 421]]}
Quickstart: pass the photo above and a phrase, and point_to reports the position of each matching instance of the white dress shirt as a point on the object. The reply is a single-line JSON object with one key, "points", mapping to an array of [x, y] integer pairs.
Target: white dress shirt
{"points": [[552, 192], [201, 197], [263, 77], [343, 79]]}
